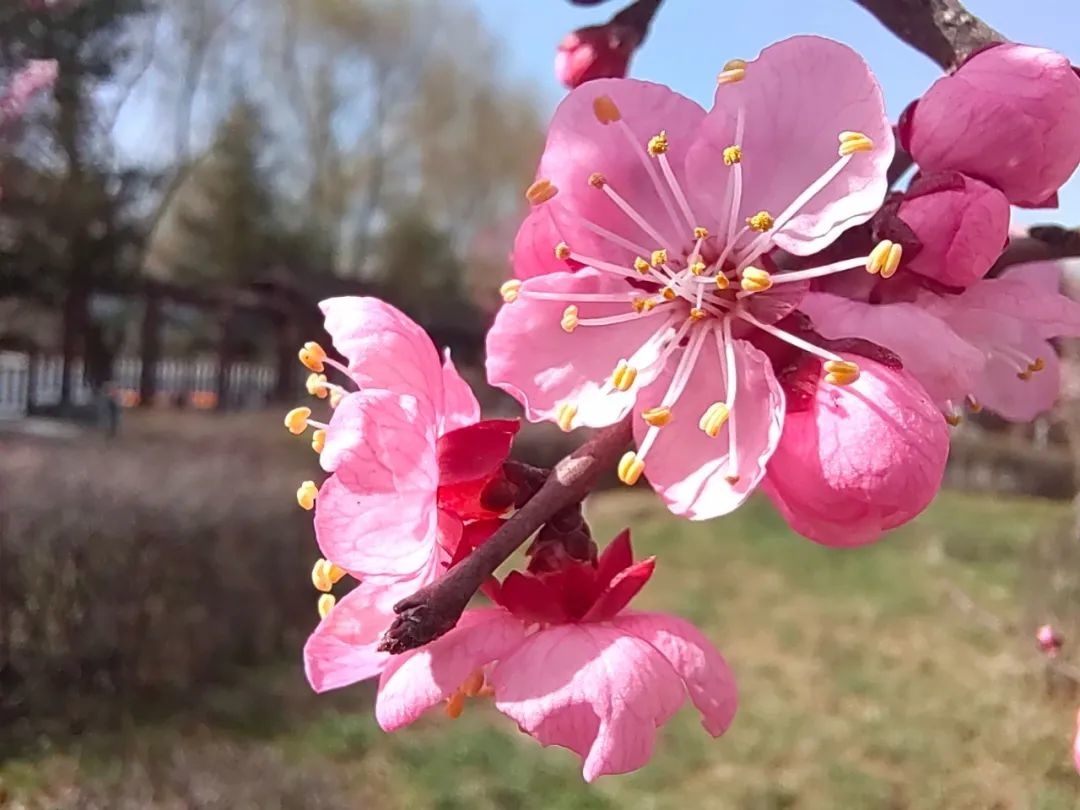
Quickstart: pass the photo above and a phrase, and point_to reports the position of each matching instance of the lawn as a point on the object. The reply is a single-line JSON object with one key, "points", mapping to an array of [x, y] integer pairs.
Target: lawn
{"points": [[898, 676]]}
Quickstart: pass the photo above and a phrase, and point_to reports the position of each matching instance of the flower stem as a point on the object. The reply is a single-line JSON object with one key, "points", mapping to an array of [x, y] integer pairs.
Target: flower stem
{"points": [[435, 609]]}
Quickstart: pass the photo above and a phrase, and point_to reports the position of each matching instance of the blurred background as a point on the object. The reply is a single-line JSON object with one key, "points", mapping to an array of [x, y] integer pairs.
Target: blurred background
{"points": [[204, 172]]}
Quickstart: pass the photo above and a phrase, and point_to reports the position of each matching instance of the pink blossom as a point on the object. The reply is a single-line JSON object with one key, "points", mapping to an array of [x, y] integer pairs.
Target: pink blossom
{"points": [[408, 456], [410, 463], [1009, 116], [570, 664], [857, 460], [664, 218], [595, 52], [987, 347], [1048, 640], [962, 224]]}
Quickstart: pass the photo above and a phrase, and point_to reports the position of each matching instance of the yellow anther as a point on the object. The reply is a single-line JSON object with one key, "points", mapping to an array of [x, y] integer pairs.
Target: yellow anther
{"points": [[641, 265], [455, 705], [953, 419], [296, 420], [510, 290], [1024, 375], [540, 191], [875, 262], [732, 155], [639, 304], [649, 303], [734, 71], [755, 280], [562, 251], [306, 495], [336, 395], [712, 421], [569, 319], [623, 376], [698, 314], [761, 221], [841, 372], [597, 180], [668, 294], [701, 233], [974, 405], [325, 575], [472, 685], [316, 385], [657, 417], [658, 144], [722, 281], [659, 257], [852, 142], [564, 415], [630, 468], [326, 604], [892, 261], [318, 440], [698, 268], [605, 110], [1037, 365], [320, 576], [312, 355]]}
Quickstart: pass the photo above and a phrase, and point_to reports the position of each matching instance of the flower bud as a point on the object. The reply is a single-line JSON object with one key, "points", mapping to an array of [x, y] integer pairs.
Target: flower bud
{"points": [[1010, 116], [859, 459], [961, 223], [595, 52]]}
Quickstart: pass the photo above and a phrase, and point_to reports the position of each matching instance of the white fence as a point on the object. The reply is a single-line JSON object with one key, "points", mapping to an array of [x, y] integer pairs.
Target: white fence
{"points": [[247, 384]]}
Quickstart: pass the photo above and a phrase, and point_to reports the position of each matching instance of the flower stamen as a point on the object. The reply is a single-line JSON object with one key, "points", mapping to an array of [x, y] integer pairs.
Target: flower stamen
{"points": [[734, 71], [657, 417], [564, 416], [630, 468], [306, 495], [622, 378], [541, 191], [714, 418]]}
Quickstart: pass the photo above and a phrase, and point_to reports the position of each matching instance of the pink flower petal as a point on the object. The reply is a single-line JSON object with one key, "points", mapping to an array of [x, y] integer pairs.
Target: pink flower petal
{"points": [[860, 459], [342, 650], [579, 145], [384, 348], [376, 515], [414, 682], [707, 677], [1009, 116], [688, 469], [797, 96], [943, 362], [533, 359], [591, 688], [534, 245], [1027, 293], [459, 406], [1000, 389]]}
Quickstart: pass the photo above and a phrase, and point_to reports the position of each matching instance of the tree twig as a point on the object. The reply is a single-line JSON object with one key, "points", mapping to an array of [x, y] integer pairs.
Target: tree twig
{"points": [[436, 608], [942, 29], [1042, 243]]}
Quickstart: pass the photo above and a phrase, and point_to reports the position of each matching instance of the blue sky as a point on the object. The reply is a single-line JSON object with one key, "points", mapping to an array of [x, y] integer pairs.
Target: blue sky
{"points": [[691, 39]]}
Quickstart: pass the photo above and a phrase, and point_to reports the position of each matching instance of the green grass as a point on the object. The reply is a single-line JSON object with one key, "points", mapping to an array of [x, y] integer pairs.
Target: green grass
{"points": [[864, 683]]}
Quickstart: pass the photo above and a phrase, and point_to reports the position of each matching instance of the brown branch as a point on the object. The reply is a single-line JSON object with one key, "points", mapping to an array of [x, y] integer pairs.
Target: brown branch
{"points": [[1042, 243], [942, 29], [436, 608]]}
